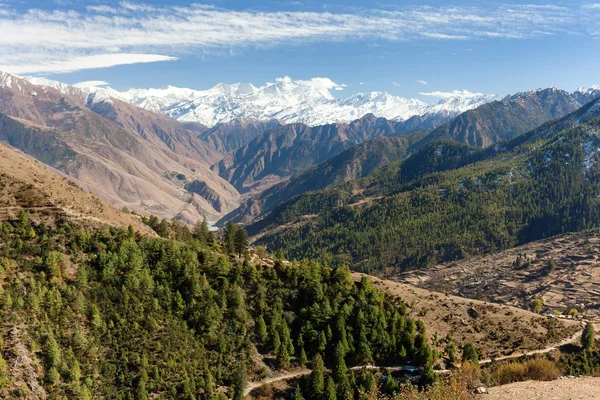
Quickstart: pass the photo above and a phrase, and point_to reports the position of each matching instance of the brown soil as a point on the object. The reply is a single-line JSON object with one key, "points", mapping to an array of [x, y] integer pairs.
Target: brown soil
{"points": [[495, 330], [575, 388]]}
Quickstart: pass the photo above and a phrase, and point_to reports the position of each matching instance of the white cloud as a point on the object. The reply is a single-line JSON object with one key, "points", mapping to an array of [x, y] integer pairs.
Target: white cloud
{"points": [[83, 62], [422, 82], [361, 83], [102, 9], [321, 84], [43, 37], [87, 84], [395, 84], [454, 93]]}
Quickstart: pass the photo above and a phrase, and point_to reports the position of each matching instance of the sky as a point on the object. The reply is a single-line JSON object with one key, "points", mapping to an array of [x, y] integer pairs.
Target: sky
{"points": [[408, 48]]}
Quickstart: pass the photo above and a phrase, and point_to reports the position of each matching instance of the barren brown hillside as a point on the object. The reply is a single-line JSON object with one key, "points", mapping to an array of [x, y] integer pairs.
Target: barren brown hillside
{"points": [[495, 330], [26, 183], [127, 156], [564, 272]]}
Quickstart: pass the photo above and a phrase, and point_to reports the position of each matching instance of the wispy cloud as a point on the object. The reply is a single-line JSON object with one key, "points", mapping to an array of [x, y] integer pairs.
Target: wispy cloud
{"points": [[87, 84], [102, 9], [422, 82], [61, 40], [49, 64], [454, 93]]}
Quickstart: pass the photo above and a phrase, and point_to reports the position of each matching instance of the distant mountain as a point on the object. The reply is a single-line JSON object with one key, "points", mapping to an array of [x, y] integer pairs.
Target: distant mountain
{"points": [[230, 136], [291, 149], [288, 101], [354, 163], [126, 155], [449, 201], [512, 116]]}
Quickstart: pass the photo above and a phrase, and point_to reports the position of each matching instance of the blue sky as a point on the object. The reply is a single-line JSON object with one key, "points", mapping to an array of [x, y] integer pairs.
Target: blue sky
{"points": [[481, 46]]}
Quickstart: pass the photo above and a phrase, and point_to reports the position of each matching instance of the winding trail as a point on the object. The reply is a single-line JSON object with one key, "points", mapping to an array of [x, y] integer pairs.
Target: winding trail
{"points": [[250, 386], [548, 349], [303, 372]]}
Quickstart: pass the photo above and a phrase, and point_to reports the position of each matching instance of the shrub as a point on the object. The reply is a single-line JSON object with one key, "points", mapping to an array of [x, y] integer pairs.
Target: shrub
{"points": [[538, 369]]}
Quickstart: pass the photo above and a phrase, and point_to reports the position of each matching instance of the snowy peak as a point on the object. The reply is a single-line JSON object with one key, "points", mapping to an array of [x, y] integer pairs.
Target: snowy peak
{"points": [[289, 101]]}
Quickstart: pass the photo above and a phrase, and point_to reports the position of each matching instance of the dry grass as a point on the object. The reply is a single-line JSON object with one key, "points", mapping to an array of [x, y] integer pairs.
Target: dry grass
{"points": [[537, 369]]}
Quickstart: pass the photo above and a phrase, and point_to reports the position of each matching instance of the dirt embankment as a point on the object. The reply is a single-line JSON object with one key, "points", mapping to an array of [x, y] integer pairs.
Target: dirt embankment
{"points": [[585, 388]]}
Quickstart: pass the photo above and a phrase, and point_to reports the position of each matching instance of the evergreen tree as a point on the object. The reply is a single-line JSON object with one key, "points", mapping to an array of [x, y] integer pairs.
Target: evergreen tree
{"points": [[469, 353], [261, 329], [390, 385], [302, 357], [588, 336], [316, 379], [209, 391], [240, 241], [330, 393], [201, 231], [239, 383], [298, 393], [229, 237], [339, 364]]}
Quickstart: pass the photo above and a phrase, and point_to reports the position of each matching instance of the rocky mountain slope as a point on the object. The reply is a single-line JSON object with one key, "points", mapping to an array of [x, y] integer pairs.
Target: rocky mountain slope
{"points": [[354, 163], [230, 136], [512, 116], [289, 101], [292, 149], [128, 156]]}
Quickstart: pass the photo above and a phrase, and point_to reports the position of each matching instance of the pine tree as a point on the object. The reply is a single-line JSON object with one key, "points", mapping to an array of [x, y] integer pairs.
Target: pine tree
{"points": [[344, 390], [229, 237], [239, 384], [241, 241], [52, 352], [330, 390], [339, 364], [322, 342], [316, 379], [302, 357], [587, 337], [283, 357], [261, 329], [390, 385], [201, 231], [298, 393], [469, 353], [209, 391]]}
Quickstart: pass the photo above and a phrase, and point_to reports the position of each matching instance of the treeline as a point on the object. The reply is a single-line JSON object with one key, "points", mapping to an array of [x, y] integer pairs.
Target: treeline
{"points": [[113, 314], [429, 217]]}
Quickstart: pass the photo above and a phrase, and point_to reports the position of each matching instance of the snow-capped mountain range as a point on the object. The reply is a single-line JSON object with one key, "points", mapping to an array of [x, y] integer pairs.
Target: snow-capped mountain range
{"points": [[286, 100]]}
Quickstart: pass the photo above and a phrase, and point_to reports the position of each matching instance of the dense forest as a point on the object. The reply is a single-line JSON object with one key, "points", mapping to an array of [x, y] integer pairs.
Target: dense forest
{"points": [[446, 202], [109, 313]]}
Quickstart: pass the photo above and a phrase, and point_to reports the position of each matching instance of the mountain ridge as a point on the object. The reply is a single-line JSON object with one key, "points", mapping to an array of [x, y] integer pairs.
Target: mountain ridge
{"points": [[287, 101]]}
